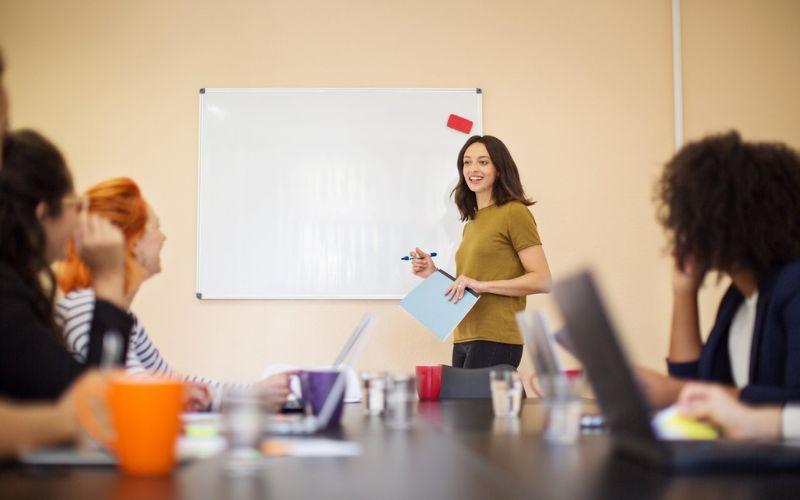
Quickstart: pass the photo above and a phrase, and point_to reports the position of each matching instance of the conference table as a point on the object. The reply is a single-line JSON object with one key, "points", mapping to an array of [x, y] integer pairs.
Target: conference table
{"points": [[454, 449]]}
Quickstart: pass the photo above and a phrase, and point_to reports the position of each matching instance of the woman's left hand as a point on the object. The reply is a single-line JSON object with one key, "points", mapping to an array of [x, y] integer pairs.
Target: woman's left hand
{"points": [[456, 291], [719, 406]]}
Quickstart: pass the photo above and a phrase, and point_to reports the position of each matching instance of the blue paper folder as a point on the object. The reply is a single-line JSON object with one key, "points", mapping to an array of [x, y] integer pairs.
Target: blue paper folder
{"points": [[428, 304]]}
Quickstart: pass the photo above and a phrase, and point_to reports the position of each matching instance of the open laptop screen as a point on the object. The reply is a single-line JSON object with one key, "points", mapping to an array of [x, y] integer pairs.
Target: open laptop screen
{"points": [[624, 407], [352, 340]]}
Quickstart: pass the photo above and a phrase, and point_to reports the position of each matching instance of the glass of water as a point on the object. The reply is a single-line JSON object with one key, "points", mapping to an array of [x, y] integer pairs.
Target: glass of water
{"points": [[564, 410], [401, 398], [242, 422], [374, 393], [506, 388]]}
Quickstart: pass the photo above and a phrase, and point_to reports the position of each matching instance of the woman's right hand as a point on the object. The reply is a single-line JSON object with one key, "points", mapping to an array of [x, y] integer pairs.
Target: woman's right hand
{"points": [[101, 246], [275, 390], [422, 265], [84, 404], [689, 279]]}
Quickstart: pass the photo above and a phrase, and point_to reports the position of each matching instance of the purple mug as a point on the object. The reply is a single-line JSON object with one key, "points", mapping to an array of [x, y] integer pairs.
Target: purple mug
{"points": [[316, 384]]}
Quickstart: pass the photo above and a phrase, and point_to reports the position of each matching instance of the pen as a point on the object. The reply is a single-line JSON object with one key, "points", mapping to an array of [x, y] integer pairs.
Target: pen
{"points": [[408, 257]]}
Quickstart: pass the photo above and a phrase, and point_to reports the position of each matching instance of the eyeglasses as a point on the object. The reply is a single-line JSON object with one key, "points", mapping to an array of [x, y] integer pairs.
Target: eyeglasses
{"points": [[73, 200]]}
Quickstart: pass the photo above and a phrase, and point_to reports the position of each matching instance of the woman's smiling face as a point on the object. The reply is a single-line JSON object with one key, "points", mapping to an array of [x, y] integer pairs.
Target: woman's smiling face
{"points": [[479, 171]]}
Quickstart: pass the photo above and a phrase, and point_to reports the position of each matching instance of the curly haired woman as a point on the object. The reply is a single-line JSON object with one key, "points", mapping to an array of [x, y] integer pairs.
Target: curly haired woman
{"points": [[733, 207]]}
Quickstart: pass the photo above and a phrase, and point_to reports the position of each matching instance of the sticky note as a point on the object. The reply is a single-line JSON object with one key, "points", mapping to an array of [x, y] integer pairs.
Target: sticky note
{"points": [[458, 123], [669, 425]]}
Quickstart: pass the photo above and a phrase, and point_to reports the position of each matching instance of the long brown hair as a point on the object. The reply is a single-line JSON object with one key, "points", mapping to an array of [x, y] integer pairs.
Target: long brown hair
{"points": [[507, 186], [33, 170]]}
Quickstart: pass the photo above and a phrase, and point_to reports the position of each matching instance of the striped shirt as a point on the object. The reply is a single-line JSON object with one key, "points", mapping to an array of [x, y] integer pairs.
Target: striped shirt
{"points": [[73, 313]]}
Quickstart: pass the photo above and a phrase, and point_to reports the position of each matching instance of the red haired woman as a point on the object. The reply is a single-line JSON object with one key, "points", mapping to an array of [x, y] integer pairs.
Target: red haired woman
{"points": [[121, 201]]}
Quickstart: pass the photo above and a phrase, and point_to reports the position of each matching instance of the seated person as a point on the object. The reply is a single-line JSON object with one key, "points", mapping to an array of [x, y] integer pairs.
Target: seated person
{"points": [[37, 202], [39, 212], [732, 207], [121, 201]]}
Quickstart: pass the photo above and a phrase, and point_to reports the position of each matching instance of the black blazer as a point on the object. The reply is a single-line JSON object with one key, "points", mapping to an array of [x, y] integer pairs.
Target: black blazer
{"points": [[774, 376], [34, 363]]}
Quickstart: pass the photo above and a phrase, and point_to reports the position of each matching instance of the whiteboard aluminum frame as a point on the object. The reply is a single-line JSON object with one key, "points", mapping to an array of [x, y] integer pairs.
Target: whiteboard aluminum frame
{"points": [[309, 90]]}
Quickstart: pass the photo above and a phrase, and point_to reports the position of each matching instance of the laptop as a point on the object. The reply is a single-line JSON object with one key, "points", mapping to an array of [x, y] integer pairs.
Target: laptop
{"points": [[293, 403], [310, 424], [540, 340], [627, 413]]}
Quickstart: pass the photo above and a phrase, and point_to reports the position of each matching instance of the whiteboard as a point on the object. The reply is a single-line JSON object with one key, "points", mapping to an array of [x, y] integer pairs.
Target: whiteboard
{"points": [[318, 193]]}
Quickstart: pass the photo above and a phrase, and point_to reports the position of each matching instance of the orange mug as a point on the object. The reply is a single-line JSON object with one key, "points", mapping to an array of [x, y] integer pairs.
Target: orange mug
{"points": [[145, 416]]}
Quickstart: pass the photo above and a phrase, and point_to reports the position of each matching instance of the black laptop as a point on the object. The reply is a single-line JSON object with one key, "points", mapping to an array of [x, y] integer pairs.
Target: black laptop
{"points": [[626, 411]]}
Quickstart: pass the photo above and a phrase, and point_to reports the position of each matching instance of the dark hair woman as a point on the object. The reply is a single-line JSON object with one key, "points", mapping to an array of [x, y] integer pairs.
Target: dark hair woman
{"points": [[733, 207], [500, 256], [39, 213]]}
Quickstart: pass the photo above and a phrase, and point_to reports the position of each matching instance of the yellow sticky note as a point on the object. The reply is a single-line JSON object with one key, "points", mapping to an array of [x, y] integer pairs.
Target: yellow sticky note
{"points": [[689, 428], [199, 430]]}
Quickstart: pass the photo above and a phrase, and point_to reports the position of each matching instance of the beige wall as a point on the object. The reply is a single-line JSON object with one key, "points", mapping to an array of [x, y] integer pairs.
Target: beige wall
{"points": [[580, 91], [741, 67]]}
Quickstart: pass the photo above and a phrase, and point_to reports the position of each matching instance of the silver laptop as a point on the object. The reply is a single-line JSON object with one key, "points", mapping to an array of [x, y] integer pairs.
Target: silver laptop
{"points": [[540, 340], [309, 424]]}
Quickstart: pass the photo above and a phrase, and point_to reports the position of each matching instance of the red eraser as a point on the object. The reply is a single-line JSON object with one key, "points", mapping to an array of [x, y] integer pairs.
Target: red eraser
{"points": [[461, 124]]}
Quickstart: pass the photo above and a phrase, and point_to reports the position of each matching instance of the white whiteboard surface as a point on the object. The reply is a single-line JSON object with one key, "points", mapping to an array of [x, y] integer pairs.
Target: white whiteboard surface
{"points": [[317, 193]]}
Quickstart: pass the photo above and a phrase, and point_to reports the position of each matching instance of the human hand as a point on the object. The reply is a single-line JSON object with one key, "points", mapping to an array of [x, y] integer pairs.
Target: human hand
{"points": [[715, 404], [101, 246], [455, 291], [275, 390], [422, 265], [688, 279], [83, 406], [197, 396]]}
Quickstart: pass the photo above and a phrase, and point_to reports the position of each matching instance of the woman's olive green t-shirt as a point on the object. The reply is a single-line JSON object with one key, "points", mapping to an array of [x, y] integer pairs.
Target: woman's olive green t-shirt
{"points": [[488, 252]]}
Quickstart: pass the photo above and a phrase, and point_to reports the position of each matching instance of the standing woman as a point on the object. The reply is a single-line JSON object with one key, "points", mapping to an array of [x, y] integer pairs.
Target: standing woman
{"points": [[500, 256]]}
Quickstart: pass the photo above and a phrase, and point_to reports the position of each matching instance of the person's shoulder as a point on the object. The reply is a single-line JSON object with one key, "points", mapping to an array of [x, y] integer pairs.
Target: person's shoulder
{"points": [[74, 300], [515, 209], [790, 271], [515, 205], [786, 281], [10, 280], [77, 297], [13, 287]]}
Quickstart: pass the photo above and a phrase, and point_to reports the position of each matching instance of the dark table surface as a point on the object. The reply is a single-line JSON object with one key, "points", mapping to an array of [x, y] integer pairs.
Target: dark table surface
{"points": [[455, 449]]}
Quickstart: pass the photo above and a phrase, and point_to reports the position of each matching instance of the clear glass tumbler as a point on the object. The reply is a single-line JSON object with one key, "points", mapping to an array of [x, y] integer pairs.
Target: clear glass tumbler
{"points": [[564, 410], [242, 424], [401, 398], [374, 393], [506, 388]]}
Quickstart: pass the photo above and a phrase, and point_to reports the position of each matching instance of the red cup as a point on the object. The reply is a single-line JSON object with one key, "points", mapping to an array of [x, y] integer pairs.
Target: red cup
{"points": [[429, 382]]}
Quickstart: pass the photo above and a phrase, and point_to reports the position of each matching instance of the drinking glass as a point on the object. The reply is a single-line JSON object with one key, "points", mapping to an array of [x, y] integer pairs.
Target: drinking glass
{"points": [[506, 389]]}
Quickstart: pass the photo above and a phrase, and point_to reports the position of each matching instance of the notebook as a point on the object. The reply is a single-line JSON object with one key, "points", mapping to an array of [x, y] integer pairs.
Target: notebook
{"points": [[429, 305]]}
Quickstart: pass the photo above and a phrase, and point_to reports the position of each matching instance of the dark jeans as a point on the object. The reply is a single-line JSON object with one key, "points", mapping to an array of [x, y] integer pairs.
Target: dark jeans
{"points": [[482, 353]]}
